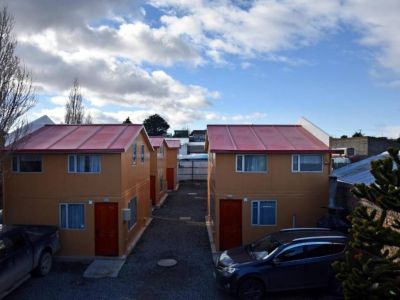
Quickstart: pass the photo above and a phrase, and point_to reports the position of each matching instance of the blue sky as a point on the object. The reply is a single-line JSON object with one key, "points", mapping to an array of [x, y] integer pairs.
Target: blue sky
{"points": [[197, 62]]}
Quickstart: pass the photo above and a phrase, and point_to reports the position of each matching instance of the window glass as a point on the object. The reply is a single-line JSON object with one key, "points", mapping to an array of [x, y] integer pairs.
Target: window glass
{"points": [[63, 216], [132, 207], [27, 163], [76, 218], [311, 163], [263, 212], [142, 153], [318, 250], [85, 163], [251, 163], [71, 163], [161, 183], [255, 163], [295, 163], [72, 216], [255, 213], [307, 163], [134, 155], [291, 254], [239, 162]]}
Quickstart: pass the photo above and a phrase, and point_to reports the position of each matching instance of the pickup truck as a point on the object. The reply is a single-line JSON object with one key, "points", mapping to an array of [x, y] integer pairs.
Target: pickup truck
{"points": [[25, 249]]}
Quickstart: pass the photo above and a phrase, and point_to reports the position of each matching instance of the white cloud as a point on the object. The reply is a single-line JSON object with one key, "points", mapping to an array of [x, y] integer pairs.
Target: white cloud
{"points": [[391, 131]]}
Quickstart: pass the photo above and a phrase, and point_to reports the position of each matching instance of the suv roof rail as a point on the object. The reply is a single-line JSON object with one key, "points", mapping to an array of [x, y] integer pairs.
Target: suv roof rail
{"points": [[320, 237], [305, 228]]}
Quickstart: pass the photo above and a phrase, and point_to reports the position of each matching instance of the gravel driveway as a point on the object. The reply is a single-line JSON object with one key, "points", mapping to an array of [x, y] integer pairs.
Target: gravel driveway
{"points": [[140, 277]]}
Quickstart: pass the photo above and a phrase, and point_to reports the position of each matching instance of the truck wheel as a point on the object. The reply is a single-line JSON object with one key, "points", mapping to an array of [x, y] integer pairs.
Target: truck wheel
{"points": [[45, 263], [251, 289]]}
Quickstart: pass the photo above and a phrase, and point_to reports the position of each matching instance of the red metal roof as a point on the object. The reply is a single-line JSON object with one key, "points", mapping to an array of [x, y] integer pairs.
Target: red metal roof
{"points": [[80, 138], [262, 138], [156, 141], [173, 144]]}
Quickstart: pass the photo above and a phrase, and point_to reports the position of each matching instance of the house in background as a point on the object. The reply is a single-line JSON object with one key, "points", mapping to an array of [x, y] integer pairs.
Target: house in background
{"points": [[158, 165], [262, 178], [92, 181], [172, 163], [356, 148], [28, 128], [348, 176], [198, 136]]}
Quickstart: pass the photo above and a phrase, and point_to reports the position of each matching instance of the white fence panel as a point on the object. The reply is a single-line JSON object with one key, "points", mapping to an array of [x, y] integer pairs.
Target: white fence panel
{"points": [[192, 169]]}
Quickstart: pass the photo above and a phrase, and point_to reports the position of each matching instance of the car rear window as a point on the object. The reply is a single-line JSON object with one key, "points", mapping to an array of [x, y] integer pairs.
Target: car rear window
{"points": [[323, 249]]}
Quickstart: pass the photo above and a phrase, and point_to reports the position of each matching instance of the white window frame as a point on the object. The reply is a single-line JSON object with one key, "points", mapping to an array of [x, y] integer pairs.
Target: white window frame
{"points": [[243, 163], [258, 213], [76, 164], [18, 156], [299, 163], [66, 216]]}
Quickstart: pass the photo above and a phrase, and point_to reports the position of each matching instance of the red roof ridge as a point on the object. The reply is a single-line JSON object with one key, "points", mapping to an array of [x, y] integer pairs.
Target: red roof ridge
{"points": [[118, 135], [68, 133], [257, 137], [89, 137], [230, 137]]}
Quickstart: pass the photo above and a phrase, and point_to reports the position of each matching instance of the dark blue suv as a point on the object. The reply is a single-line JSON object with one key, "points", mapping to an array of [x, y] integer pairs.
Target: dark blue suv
{"points": [[296, 258]]}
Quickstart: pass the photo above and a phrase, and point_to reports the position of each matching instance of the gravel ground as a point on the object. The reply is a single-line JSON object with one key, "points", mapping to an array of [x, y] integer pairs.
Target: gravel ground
{"points": [[140, 277]]}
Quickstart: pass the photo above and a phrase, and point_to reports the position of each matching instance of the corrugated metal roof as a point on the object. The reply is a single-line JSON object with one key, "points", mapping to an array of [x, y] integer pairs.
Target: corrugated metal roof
{"points": [[358, 172], [156, 141], [262, 138], [80, 138], [173, 144]]}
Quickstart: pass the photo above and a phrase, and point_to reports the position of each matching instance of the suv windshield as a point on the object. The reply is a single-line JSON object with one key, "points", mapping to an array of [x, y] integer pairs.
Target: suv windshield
{"points": [[262, 248]]}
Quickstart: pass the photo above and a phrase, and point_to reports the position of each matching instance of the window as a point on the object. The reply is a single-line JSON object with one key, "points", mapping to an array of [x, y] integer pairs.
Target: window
{"points": [[29, 163], [307, 163], [293, 253], [263, 212], [251, 163], [142, 153], [134, 154], [72, 216], [84, 163], [132, 206], [323, 249]]}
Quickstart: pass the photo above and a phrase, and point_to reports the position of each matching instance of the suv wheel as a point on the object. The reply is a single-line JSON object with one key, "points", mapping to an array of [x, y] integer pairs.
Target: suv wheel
{"points": [[45, 263], [251, 289]]}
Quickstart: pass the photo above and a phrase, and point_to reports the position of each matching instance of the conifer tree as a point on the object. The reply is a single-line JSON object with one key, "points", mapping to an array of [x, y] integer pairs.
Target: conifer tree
{"points": [[371, 269]]}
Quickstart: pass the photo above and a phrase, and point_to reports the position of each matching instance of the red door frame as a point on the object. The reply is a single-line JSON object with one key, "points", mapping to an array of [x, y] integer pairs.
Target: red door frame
{"points": [[230, 223], [106, 228], [170, 178]]}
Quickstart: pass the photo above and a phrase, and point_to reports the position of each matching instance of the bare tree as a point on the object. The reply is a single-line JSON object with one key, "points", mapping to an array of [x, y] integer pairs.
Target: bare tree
{"points": [[88, 118], [74, 110], [16, 91]]}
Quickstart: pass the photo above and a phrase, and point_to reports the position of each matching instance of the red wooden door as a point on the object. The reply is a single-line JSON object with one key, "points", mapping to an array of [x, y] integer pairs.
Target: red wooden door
{"points": [[106, 229], [153, 189], [170, 178], [230, 218]]}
